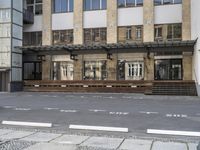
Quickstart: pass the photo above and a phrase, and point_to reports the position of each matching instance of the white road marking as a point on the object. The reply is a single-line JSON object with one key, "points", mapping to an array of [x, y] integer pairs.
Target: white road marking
{"points": [[148, 113], [98, 128], [127, 97], [33, 124], [97, 110], [68, 111], [118, 113], [23, 109], [9, 107], [47, 108], [176, 115], [109, 97], [172, 132]]}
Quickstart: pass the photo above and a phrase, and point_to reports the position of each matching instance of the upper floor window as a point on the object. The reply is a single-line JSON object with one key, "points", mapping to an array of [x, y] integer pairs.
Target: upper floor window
{"points": [[165, 2], [62, 6], [35, 6], [32, 38], [95, 35], [130, 3], [63, 37], [130, 33], [95, 4], [168, 32]]}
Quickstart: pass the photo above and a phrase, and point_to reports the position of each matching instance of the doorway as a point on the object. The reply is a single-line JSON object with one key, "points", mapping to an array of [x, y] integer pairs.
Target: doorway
{"points": [[4, 79]]}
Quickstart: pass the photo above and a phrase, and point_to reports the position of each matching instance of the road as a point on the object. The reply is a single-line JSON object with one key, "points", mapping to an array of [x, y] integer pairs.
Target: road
{"points": [[136, 112]]}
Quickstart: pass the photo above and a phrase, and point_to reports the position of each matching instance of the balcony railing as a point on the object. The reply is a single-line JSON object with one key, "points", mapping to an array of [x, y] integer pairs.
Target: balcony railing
{"points": [[28, 17]]}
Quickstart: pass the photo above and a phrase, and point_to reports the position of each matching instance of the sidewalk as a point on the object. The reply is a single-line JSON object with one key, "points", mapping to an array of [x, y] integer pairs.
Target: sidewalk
{"points": [[26, 140]]}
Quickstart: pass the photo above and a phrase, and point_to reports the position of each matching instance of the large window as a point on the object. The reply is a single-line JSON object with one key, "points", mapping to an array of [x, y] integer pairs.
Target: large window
{"points": [[95, 4], [95, 70], [32, 71], [62, 6], [164, 2], [130, 34], [63, 37], [130, 70], [35, 6], [170, 32], [129, 3], [95, 35], [32, 38], [63, 71]]}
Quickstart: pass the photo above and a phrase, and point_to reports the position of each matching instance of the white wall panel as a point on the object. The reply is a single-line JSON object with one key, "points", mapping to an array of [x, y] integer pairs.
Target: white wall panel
{"points": [[130, 16], [18, 4], [5, 3], [16, 74], [16, 43], [17, 17], [62, 21], [95, 19], [37, 26], [17, 31], [5, 15], [16, 60], [168, 14]]}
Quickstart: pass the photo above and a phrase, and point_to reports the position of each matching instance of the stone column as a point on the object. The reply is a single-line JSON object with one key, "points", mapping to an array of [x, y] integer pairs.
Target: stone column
{"points": [[186, 20], [112, 21], [46, 68], [78, 68], [187, 66], [148, 11], [149, 67], [78, 21], [47, 22], [112, 67]]}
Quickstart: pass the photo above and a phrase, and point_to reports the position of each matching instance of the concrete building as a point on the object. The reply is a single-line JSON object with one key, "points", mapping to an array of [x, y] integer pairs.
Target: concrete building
{"points": [[109, 40]]}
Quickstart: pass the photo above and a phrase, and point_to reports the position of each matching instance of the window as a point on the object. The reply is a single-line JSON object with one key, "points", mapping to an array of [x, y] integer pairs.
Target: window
{"points": [[95, 5], [32, 38], [129, 3], [35, 6], [63, 70], [165, 2], [32, 71], [138, 33], [158, 32], [174, 32], [63, 37], [62, 6], [5, 15], [133, 70], [95, 35], [130, 34], [95, 70]]}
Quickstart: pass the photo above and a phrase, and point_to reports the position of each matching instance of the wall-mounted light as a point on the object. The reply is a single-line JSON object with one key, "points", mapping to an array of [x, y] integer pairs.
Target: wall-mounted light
{"points": [[41, 57]]}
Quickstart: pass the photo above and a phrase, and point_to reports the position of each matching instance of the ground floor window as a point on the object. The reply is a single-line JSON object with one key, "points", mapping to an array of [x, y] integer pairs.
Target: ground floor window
{"points": [[32, 71], [63, 71], [168, 69], [130, 70], [95, 70]]}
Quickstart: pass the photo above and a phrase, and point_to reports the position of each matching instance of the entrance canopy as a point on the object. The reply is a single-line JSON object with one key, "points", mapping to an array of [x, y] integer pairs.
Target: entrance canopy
{"points": [[148, 47]]}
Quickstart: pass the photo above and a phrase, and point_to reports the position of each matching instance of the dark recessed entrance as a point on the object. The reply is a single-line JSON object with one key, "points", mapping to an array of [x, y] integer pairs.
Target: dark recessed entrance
{"points": [[168, 69], [4, 79]]}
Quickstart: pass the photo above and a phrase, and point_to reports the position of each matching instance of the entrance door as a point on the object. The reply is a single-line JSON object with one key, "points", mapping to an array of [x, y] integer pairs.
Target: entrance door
{"points": [[168, 69], [4, 78]]}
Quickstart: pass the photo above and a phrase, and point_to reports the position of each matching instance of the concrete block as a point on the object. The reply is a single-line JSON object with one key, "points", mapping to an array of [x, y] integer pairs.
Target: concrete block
{"points": [[70, 139], [51, 146], [134, 144], [15, 135], [103, 142], [41, 137], [169, 146]]}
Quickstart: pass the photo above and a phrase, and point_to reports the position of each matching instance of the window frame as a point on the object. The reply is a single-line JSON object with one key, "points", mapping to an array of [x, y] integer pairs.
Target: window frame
{"points": [[34, 4], [136, 4], [65, 38], [162, 3], [91, 6], [68, 10]]}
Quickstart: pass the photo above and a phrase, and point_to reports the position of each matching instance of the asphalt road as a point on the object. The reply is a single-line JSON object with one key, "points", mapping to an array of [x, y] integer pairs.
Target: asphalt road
{"points": [[136, 112]]}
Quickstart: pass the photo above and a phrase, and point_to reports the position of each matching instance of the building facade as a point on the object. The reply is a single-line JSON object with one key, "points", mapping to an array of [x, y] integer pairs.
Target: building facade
{"points": [[119, 40]]}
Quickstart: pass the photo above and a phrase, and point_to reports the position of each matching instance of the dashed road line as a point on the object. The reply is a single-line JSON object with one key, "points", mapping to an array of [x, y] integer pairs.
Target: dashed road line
{"points": [[176, 115], [118, 113], [33, 124], [97, 110], [23, 109], [148, 113], [68, 111], [49, 108]]}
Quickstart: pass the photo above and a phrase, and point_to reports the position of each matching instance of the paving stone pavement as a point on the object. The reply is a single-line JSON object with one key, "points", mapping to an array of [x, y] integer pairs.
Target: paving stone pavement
{"points": [[25, 140]]}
